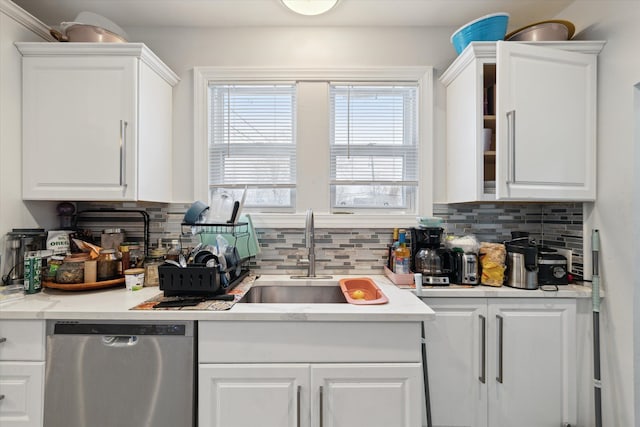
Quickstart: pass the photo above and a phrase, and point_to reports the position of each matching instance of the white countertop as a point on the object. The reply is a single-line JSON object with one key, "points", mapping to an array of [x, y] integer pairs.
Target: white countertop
{"points": [[116, 304], [481, 291], [403, 306]]}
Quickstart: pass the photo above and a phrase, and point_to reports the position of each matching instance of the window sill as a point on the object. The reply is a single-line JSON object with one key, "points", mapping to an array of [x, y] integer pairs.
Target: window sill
{"points": [[334, 220]]}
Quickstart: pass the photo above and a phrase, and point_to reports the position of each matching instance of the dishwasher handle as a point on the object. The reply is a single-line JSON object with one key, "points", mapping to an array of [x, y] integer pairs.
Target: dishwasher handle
{"points": [[119, 340], [127, 330]]}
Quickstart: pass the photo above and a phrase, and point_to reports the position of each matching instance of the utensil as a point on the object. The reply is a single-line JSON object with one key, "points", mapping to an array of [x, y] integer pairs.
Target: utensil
{"points": [[552, 30], [78, 32], [172, 262], [234, 212], [490, 27], [196, 213], [91, 18]]}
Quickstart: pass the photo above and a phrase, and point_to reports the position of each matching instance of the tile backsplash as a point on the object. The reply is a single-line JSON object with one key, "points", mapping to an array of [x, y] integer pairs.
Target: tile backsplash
{"points": [[364, 250]]}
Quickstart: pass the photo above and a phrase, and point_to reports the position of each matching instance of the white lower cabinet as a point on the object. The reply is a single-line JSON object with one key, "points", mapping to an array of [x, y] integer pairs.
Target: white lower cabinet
{"points": [[502, 362], [309, 374], [303, 395], [21, 394], [21, 373]]}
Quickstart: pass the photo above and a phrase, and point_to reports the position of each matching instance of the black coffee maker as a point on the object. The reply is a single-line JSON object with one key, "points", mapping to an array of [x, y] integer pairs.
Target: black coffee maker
{"points": [[429, 257]]}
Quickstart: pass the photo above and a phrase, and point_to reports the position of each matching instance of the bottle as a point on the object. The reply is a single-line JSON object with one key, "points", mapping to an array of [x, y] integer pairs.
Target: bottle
{"points": [[402, 255], [392, 249], [124, 258]]}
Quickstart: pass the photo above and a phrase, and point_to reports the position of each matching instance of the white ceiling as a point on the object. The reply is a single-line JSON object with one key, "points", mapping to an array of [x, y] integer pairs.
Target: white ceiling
{"points": [[216, 13]]}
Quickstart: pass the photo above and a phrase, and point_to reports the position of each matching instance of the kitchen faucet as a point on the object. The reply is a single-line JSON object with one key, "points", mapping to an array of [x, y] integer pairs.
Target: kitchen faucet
{"points": [[310, 245]]}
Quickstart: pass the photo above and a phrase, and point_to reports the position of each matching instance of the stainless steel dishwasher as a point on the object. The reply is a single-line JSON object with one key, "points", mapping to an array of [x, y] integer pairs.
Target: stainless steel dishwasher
{"points": [[117, 374]]}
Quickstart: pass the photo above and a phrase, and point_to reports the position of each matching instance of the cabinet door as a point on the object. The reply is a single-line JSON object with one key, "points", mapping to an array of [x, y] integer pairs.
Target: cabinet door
{"points": [[79, 127], [21, 394], [532, 349], [22, 340], [372, 395], [546, 115], [456, 358], [273, 395]]}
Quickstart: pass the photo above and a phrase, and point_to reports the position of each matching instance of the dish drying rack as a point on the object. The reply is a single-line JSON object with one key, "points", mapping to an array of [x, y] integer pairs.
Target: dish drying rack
{"points": [[207, 232], [197, 279]]}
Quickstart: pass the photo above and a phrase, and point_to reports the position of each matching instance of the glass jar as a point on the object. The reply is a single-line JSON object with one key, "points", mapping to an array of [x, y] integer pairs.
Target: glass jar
{"points": [[136, 256], [174, 250], [107, 265], [54, 264], [151, 264], [70, 272]]}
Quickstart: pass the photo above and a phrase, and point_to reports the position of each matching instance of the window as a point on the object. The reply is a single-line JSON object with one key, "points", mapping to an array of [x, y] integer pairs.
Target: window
{"points": [[374, 149], [252, 143], [353, 141]]}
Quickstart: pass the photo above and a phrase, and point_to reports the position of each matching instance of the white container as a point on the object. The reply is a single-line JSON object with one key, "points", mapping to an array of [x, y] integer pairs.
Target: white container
{"points": [[134, 278]]}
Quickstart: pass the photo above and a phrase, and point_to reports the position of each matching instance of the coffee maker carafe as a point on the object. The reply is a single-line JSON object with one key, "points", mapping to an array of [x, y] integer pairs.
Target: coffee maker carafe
{"points": [[429, 257], [522, 262], [18, 242]]}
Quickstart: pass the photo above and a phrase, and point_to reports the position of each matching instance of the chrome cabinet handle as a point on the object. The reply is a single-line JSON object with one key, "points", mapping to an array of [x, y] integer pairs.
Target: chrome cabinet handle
{"points": [[321, 408], [123, 145], [511, 145], [483, 349], [2, 339], [298, 405], [500, 343]]}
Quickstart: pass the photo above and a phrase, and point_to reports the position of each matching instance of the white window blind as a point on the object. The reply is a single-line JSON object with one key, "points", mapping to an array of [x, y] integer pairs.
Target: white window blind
{"points": [[252, 143], [374, 147]]}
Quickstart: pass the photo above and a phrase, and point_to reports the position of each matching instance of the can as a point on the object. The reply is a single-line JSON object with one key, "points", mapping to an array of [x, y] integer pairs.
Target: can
{"points": [[32, 272]]}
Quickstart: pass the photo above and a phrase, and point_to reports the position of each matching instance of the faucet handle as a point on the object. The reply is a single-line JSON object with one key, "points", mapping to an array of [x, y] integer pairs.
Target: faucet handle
{"points": [[303, 261]]}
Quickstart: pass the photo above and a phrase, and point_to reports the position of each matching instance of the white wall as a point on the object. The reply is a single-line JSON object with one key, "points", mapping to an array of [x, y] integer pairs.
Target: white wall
{"points": [[617, 22], [184, 48]]}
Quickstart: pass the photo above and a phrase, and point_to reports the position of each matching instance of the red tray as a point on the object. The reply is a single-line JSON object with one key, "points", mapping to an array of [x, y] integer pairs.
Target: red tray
{"points": [[361, 291]]}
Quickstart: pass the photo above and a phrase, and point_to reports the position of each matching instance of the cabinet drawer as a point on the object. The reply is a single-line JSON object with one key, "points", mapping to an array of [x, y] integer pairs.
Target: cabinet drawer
{"points": [[290, 342], [21, 385], [22, 340]]}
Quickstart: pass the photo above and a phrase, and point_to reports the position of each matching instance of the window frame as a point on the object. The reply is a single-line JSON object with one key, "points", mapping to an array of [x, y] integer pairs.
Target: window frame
{"points": [[422, 75]]}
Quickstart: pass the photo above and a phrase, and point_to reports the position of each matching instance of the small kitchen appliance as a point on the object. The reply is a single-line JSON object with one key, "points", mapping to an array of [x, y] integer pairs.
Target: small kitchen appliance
{"points": [[522, 262], [552, 267], [18, 242], [465, 267], [429, 257]]}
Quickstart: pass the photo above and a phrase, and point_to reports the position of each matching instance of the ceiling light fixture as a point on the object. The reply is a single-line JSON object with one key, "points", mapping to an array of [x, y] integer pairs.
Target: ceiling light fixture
{"points": [[310, 7]]}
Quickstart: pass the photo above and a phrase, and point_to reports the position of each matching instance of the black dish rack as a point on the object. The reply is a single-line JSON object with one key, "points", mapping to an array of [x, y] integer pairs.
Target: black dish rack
{"points": [[197, 279]]}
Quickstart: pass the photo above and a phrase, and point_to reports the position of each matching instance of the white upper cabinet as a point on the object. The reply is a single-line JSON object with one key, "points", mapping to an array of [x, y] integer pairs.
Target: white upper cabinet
{"points": [[537, 101], [97, 122]]}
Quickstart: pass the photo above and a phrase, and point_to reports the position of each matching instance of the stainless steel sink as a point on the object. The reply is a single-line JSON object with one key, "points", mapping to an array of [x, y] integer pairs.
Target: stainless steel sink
{"points": [[294, 295]]}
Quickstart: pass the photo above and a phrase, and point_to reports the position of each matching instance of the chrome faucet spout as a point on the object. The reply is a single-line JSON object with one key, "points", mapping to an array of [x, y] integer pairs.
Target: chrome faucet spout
{"points": [[310, 242], [310, 245]]}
